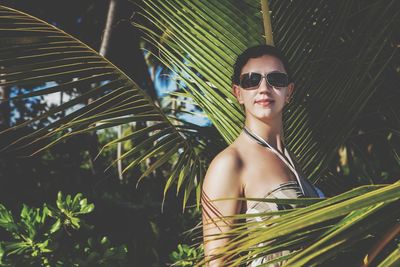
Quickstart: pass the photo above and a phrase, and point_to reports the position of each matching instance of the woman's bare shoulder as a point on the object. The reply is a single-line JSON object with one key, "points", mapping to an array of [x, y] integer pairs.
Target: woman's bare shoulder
{"points": [[228, 160], [224, 172]]}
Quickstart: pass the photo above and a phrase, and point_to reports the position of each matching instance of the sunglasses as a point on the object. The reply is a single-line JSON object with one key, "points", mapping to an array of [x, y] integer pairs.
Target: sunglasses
{"points": [[252, 80]]}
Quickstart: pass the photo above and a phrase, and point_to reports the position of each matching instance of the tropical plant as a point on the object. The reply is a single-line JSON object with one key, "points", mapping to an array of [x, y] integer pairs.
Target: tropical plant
{"points": [[185, 255], [47, 236], [50, 54], [199, 41]]}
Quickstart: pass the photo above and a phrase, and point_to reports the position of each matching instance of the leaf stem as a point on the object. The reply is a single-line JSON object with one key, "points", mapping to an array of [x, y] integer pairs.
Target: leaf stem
{"points": [[267, 23], [389, 236]]}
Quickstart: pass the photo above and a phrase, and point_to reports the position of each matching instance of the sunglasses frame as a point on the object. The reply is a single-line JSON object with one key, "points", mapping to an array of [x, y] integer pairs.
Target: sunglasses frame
{"points": [[262, 77]]}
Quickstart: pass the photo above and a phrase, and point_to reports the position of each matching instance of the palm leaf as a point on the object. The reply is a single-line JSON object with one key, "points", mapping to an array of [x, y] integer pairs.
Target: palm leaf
{"points": [[208, 50], [338, 51], [392, 260], [199, 41], [35, 52], [319, 232]]}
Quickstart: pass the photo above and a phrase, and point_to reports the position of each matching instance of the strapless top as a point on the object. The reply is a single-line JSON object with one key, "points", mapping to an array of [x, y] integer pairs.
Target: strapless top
{"points": [[283, 191], [288, 190]]}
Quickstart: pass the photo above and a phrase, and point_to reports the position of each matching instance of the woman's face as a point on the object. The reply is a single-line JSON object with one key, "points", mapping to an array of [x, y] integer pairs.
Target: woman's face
{"points": [[265, 102]]}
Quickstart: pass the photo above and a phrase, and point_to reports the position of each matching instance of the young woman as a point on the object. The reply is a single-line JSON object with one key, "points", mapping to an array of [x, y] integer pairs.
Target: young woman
{"points": [[257, 164]]}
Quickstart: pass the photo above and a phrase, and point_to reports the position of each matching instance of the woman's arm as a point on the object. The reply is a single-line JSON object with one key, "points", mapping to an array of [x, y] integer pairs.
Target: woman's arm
{"points": [[222, 181]]}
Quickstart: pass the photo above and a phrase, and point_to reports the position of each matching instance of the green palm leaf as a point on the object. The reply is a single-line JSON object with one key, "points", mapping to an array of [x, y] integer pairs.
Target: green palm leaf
{"points": [[338, 51], [35, 52], [317, 233], [192, 39], [336, 67], [337, 70]]}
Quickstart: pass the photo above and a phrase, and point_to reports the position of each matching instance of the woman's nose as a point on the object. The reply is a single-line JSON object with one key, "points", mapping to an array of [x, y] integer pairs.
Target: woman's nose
{"points": [[264, 85]]}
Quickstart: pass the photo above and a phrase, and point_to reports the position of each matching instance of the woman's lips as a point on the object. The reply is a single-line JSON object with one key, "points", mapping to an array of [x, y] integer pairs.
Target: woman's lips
{"points": [[265, 102]]}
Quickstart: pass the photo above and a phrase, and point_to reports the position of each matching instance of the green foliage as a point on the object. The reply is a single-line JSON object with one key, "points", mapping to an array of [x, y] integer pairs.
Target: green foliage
{"points": [[185, 255], [47, 236], [101, 252], [112, 100], [69, 209], [322, 233], [199, 40]]}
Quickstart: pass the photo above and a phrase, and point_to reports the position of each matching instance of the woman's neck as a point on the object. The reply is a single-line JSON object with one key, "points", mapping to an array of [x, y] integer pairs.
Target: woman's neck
{"points": [[271, 131]]}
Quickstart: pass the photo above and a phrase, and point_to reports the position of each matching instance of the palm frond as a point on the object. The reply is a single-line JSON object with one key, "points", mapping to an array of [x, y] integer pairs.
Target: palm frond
{"points": [[337, 52], [34, 52], [201, 46], [317, 233]]}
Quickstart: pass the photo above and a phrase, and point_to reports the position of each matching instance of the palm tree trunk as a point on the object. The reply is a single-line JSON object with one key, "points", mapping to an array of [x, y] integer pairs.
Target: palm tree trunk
{"points": [[104, 47], [94, 144], [108, 28]]}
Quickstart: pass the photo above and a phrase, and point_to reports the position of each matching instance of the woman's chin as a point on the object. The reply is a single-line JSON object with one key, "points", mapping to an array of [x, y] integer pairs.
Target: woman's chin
{"points": [[266, 116]]}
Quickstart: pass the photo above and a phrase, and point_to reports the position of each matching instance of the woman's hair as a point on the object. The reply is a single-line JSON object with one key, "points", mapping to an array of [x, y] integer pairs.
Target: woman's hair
{"points": [[255, 52]]}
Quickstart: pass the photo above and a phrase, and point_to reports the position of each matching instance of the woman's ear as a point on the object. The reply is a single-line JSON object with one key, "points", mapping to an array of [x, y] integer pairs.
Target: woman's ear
{"points": [[237, 93], [290, 92]]}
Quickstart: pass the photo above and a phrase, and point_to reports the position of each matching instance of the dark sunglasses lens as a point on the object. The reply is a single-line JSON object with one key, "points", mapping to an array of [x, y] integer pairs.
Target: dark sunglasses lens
{"points": [[278, 79], [250, 80]]}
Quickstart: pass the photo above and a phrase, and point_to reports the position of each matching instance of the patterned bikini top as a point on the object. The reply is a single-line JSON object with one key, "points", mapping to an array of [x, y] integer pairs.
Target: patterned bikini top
{"points": [[291, 189]]}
